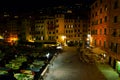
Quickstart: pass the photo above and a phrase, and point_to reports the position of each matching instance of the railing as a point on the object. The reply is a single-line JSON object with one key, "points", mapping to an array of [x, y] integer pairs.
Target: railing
{"points": [[44, 71]]}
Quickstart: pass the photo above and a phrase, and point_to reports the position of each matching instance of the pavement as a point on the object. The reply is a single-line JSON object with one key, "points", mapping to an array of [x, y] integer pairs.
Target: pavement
{"points": [[64, 69], [108, 72]]}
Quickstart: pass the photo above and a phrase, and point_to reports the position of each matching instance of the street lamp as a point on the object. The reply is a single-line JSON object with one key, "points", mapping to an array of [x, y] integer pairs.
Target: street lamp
{"points": [[89, 39], [63, 38], [64, 41], [1, 37]]}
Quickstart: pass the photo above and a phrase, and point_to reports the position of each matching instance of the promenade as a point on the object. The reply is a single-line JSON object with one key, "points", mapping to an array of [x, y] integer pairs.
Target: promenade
{"points": [[68, 66]]}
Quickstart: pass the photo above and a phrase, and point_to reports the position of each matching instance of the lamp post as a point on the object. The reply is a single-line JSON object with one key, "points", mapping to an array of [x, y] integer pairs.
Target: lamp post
{"points": [[64, 40]]}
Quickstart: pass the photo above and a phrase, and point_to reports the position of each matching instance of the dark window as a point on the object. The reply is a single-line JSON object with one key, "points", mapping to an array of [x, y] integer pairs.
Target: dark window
{"points": [[75, 25], [65, 26], [96, 14], [42, 32], [69, 31], [105, 18], [95, 31], [50, 37], [114, 47], [96, 22], [95, 42], [78, 20], [92, 23], [84, 25], [104, 44], [56, 31], [105, 31], [58, 26], [93, 7], [100, 31], [100, 42], [100, 10], [74, 35], [100, 20], [49, 32], [111, 46], [66, 31], [92, 15], [115, 19], [116, 5], [105, 8], [56, 37], [96, 4], [56, 20], [114, 33], [100, 1], [75, 30]]}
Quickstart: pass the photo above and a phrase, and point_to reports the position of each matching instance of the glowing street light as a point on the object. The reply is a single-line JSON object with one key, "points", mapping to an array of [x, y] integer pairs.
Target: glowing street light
{"points": [[1, 37], [63, 38]]}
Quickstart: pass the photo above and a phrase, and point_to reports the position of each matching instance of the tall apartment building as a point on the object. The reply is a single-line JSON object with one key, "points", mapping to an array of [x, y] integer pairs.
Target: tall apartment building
{"points": [[63, 28], [61, 24], [114, 39], [99, 23], [75, 28], [105, 29], [60, 36], [15, 27], [9, 28], [38, 31]]}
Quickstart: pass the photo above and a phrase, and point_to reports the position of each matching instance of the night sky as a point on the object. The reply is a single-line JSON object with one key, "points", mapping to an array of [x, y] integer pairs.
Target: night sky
{"points": [[26, 5]]}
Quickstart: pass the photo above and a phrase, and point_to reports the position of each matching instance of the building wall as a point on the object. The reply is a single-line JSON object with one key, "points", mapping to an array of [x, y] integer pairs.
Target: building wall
{"points": [[26, 28], [51, 28], [115, 28], [99, 24], [60, 27]]}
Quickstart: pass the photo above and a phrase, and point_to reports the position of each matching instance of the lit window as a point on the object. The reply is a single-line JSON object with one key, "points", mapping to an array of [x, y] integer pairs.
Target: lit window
{"points": [[71, 26]]}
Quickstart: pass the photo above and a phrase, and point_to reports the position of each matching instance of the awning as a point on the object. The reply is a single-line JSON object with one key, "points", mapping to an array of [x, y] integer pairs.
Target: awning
{"points": [[98, 51]]}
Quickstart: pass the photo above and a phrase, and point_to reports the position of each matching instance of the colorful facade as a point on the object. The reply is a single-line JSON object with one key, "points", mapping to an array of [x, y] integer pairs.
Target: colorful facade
{"points": [[105, 29]]}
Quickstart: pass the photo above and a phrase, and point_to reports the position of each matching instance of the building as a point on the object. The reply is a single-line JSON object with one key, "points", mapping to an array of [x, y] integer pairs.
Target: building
{"points": [[62, 28], [99, 24], [15, 27], [114, 40], [60, 24], [105, 29]]}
